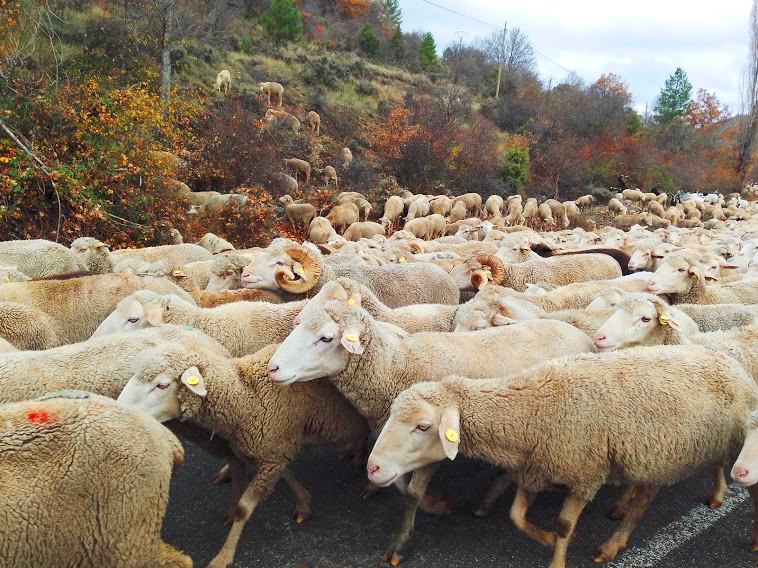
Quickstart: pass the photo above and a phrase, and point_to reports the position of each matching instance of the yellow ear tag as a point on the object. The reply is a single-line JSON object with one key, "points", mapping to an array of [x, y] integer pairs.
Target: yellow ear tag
{"points": [[487, 271], [694, 276], [351, 302], [351, 337], [193, 380], [451, 435], [7, 278], [300, 270], [178, 272], [401, 259]]}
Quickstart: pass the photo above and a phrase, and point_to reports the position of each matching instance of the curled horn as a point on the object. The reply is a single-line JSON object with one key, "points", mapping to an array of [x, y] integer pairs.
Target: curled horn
{"points": [[495, 265], [311, 267], [416, 246], [479, 279], [324, 249]]}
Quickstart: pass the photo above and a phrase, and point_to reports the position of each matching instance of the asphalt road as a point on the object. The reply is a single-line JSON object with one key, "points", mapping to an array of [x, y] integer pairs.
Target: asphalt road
{"points": [[677, 531]]}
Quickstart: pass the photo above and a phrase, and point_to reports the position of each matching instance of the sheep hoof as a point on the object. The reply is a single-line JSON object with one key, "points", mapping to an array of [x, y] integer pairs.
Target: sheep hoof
{"points": [[482, 512], [223, 475], [603, 556], [714, 503], [369, 491], [395, 560], [301, 516]]}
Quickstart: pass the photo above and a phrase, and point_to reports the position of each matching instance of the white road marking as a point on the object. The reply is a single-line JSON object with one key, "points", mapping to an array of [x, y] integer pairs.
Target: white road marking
{"points": [[675, 534]]}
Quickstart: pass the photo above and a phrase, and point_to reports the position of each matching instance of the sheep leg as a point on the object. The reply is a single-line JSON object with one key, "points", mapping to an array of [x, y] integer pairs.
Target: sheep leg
{"points": [[170, 557], [302, 510], [265, 478], [570, 511], [521, 503], [752, 543], [619, 508], [402, 543], [237, 469], [716, 498], [618, 540], [494, 492]]}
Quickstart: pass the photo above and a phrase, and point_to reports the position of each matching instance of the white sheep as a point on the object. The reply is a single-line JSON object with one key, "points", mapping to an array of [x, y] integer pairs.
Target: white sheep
{"points": [[577, 422], [223, 80], [347, 157], [268, 88], [38, 258], [314, 121], [330, 174], [745, 469]]}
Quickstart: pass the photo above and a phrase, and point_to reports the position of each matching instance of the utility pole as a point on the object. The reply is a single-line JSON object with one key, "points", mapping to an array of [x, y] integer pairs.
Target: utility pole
{"points": [[502, 57]]}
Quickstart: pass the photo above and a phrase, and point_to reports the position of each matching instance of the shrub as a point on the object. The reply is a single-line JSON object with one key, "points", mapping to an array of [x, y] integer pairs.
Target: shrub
{"points": [[367, 88], [368, 42], [246, 45]]}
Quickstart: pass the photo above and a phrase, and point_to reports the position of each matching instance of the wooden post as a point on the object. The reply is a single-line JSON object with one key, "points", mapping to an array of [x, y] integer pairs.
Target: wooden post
{"points": [[502, 57]]}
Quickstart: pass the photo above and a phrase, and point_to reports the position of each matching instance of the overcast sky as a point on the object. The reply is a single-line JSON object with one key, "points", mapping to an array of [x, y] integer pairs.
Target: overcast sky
{"points": [[643, 41]]}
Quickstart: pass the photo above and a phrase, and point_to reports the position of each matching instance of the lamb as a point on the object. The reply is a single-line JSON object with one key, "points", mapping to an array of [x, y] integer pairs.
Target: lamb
{"points": [[330, 174], [79, 304], [279, 268], [27, 328], [554, 270], [342, 216], [299, 214], [268, 88], [38, 258], [235, 399], [223, 80], [615, 206], [314, 121], [299, 167], [744, 472], [55, 521], [347, 157], [93, 254], [683, 279], [363, 230], [179, 254], [568, 423], [241, 327], [494, 205], [370, 365], [215, 244]]}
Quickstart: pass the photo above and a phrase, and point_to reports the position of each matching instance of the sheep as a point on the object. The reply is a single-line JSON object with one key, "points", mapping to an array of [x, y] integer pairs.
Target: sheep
{"points": [[441, 205], [330, 174], [473, 202], [554, 270], [744, 472], [627, 221], [299, 214], [615, 206], [363, 230], [580, 422], [93, 255], [655, 208], [299, 167], [683, 279], [55, 521], [457, 213], [215, 244], [489, 309], [223, 79], [559, 212], [393, 208], [418, 208], [716, 317], [633, 195], [226, 271], [176, 237], [274, 117], [546, 214], [347, 157], [234, 398], [179, 254], [79, 304], [419, 227], [241, 327], [370, 365], [605, 299], [289, 183], [38, 258], [342, 216], [585, 201], [531, 210], [200, 198], [268, 88], [494, 205], [319, 230], [27, 328], [643, 319], [436, 225], [278, 268], [12, 274], [314, 121]]}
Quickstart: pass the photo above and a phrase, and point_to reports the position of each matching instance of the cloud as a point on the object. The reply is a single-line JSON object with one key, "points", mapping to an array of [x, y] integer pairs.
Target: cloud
{"points": [[643, 42]]}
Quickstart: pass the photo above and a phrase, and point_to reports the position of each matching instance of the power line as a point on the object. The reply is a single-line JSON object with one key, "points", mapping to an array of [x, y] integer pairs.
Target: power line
{"points": [[473, 19]]}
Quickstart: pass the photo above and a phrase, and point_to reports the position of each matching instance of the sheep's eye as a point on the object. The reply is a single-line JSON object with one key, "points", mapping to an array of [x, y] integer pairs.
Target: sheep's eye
{"points": [[326, 339], [133, 320], [162, 386], [423, 427], [646, 319], [681, 270], [280, 263]]}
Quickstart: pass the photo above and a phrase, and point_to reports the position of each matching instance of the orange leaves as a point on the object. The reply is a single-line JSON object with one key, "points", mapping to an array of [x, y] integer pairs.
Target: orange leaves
{"points": [[354, 8], [706, 111], [393, 132]]}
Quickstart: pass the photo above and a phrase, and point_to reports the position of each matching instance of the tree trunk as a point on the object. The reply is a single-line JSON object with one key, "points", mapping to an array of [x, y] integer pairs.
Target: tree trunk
{"points": [[168, 16]]}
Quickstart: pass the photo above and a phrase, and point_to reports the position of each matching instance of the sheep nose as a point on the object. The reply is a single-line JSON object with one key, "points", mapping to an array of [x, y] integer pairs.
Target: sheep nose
{"points": [[632, 265], [598, 339], [372, 467], [296, 322], [650, 286], [739, 472], [271, 369]]}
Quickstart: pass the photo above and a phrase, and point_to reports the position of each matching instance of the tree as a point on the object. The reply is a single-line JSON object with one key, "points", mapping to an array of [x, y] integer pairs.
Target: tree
{"points": [[706, 110], [427, 53], [282, 21], [674, 98], [397, 45], [515, 167], [392, 11], [749, 119], [368, 41]]}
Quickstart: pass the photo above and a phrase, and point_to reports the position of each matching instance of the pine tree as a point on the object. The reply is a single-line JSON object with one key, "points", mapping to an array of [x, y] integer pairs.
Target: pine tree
{"points": [[368, 41], [674, 98], [427, 53], [392, 10], [282, 21], [397, 45]]}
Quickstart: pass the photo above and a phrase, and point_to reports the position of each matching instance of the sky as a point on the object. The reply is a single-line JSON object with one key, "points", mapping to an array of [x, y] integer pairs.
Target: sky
{"points": [[642, 41]]}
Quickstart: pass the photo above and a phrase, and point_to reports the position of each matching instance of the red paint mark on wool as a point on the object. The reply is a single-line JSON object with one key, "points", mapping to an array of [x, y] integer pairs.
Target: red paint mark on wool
{"points": [[39, 416]]}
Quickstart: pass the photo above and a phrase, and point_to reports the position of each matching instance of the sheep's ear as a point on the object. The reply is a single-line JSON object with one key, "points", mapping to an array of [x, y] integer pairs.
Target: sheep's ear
{"points": [[449, 431], [351, 340], [297, 268], [695, 272], [193, 380], [711, 278], [179, 273], [500, 319], [664, 317], [155, 316], [354, 299], [729, 266]]}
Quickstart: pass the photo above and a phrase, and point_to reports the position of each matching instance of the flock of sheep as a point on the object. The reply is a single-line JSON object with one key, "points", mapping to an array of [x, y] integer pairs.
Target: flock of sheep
{"points": [[254, 353]]}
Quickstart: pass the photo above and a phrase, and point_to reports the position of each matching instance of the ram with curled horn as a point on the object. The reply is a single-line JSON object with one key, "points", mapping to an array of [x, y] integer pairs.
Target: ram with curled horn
{"points": [[492, 271]]}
